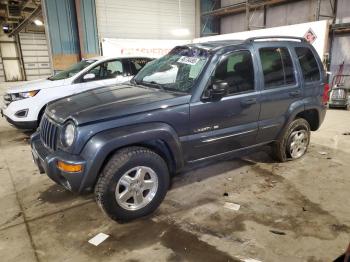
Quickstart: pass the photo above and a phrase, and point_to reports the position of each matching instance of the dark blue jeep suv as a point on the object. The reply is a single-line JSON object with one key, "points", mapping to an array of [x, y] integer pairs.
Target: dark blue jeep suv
{"points": [[198, 102]]}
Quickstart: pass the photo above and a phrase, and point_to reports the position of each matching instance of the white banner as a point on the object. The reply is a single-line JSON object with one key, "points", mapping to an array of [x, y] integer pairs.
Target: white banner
{"points": [[139, 47], [315, 32]]}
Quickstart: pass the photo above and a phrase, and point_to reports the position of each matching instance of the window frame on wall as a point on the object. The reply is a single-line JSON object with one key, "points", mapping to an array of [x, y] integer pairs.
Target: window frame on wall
{"points": [[292, 70]]}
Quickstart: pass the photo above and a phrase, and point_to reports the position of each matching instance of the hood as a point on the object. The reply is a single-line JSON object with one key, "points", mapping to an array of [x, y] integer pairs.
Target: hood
{"points": [[35, 85], [111, 102]]}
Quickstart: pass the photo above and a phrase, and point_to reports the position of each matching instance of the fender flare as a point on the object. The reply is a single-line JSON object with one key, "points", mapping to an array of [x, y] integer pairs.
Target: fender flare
{"points": [[294, 109], [100, 146]]}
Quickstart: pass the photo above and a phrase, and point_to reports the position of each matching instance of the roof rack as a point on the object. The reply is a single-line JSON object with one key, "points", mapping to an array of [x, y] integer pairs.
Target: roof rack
{"points": [[252, 39]]}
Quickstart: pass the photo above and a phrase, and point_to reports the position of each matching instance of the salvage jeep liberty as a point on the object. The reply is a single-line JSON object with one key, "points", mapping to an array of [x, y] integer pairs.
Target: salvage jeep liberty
{"points": [[200, 101]]}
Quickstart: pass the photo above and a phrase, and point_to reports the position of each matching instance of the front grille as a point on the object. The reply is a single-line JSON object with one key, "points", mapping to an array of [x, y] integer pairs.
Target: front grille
{"points": [[48, 133], [338, 94]]}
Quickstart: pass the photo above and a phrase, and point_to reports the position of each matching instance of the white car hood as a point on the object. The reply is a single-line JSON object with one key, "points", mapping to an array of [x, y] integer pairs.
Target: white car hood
{"points": [[36, 85]]}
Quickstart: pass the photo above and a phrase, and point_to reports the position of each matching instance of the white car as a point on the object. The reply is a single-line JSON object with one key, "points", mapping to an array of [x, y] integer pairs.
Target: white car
{"points": [[24, 105]]}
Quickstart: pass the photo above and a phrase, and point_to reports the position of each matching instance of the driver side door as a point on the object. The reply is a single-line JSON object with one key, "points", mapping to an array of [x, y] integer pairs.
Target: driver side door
{"points": [[220, 126]]}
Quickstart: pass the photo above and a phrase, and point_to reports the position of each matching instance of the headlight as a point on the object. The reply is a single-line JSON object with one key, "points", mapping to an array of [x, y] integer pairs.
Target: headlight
{"points": [[23, 95], [69, 135]]}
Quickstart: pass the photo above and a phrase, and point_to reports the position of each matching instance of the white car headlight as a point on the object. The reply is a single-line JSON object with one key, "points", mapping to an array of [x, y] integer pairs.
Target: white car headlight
{"points": [[69, 134], [23, 95]]}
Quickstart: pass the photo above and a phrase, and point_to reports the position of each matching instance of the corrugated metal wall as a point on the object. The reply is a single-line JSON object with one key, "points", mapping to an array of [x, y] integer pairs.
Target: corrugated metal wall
{"points": [[35, 55], [343, 11], [280, 15], [87, 26], [62, 27], [142, 19], [341, 42]]}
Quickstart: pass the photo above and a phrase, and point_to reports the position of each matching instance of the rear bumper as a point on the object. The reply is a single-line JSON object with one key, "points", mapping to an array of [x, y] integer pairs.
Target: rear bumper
{"points": [[338, 103], [46, 162]]}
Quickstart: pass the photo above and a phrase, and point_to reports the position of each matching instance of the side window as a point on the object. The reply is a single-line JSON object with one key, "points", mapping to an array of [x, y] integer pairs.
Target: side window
{"points": [[277, 67], [308, 64], [238, 71], [113, 69], [97, 71], [136, 64]]}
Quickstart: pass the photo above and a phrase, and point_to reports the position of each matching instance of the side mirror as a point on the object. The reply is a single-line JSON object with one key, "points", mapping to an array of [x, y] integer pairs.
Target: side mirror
{"points": [[218, 90], [89, 76]]}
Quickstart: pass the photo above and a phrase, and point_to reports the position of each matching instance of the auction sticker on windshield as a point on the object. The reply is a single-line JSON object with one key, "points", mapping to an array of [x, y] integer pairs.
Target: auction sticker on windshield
{"points": [[188, 60]]}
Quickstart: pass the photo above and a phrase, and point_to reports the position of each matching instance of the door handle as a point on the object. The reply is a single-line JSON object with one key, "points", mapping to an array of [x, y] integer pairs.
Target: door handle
{"points": [[249, 101], [295, 93]]}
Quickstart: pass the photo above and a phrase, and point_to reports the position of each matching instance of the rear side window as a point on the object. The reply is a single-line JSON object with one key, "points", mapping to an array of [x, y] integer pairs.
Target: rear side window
{"points": [[277, 67], [308, 64]]}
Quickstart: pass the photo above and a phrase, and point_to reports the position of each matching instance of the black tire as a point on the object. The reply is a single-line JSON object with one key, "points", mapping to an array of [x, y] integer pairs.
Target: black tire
{"points": [[120, 163], [281, 148]]}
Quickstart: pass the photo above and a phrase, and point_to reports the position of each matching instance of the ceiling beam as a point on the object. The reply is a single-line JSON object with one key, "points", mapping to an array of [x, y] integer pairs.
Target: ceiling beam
{"points": [[24, 23]]}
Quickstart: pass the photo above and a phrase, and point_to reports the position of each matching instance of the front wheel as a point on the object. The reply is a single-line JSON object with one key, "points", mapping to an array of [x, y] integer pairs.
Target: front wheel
{"points": [[294, 142], [133, 184]]}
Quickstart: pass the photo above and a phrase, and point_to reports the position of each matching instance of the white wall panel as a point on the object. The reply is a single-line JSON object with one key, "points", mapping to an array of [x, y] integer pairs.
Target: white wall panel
{"points": [[35, 55], [12, 70], [10, 66], [2, 73], [140, 19]]}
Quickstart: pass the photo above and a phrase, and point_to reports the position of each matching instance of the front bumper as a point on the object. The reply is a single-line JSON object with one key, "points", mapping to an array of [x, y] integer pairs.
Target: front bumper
{"points": [[46, 161], [28, 125], [25, 125], [29, 121]]}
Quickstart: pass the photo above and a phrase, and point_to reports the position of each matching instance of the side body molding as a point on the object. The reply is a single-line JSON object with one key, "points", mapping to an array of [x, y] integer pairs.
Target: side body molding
{"points": [[98, 148]]}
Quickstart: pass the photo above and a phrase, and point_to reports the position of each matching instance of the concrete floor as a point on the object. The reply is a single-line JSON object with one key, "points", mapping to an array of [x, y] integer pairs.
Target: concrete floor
{"points": [[295, 211]]}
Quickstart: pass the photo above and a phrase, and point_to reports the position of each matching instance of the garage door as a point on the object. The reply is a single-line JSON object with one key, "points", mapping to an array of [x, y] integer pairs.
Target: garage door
{"points": [[140, 19], [35, 55]]}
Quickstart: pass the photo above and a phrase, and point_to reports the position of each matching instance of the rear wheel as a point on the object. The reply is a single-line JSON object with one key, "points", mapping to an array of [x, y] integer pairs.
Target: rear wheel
{"points": [[133, 184], [294, 142]]}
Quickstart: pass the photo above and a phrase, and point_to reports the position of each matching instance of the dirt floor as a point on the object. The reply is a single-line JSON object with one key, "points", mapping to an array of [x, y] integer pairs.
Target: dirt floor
{"points": [[295, 211]]}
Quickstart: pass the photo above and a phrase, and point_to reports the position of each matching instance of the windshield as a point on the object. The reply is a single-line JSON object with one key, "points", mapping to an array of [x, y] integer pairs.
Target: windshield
{"points": [[71, 71], [176, 71]]}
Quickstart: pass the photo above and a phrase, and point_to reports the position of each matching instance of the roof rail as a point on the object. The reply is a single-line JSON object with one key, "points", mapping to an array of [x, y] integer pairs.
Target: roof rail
{"points": [[252, 39]]}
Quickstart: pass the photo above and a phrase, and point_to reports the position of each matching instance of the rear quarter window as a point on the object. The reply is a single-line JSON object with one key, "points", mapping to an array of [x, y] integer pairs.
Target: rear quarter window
{"points": [[277, 67], [308, 64]]}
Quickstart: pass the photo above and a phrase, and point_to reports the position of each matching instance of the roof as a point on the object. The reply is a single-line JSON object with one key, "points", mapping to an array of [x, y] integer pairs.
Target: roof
{"points": [[216, 44]]}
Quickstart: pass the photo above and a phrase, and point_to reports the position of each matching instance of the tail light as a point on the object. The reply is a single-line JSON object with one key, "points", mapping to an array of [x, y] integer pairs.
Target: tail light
{"points": [[325, 96]]}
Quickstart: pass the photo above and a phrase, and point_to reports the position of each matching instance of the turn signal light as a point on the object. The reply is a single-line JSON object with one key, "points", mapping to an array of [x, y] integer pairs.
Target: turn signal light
{"points": [[69, 167]]}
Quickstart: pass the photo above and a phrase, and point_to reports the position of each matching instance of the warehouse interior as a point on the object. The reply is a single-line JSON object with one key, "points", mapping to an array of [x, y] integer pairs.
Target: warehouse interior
{"points": [[246, 207]]}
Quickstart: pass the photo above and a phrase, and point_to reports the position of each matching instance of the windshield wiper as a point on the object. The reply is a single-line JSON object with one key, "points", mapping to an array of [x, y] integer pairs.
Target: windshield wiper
{"points": [[151, 84]]}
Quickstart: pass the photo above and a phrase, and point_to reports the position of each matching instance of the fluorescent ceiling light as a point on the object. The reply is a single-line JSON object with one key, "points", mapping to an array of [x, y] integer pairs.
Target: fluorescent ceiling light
{"points": [[180, 32], [38, 22]]}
